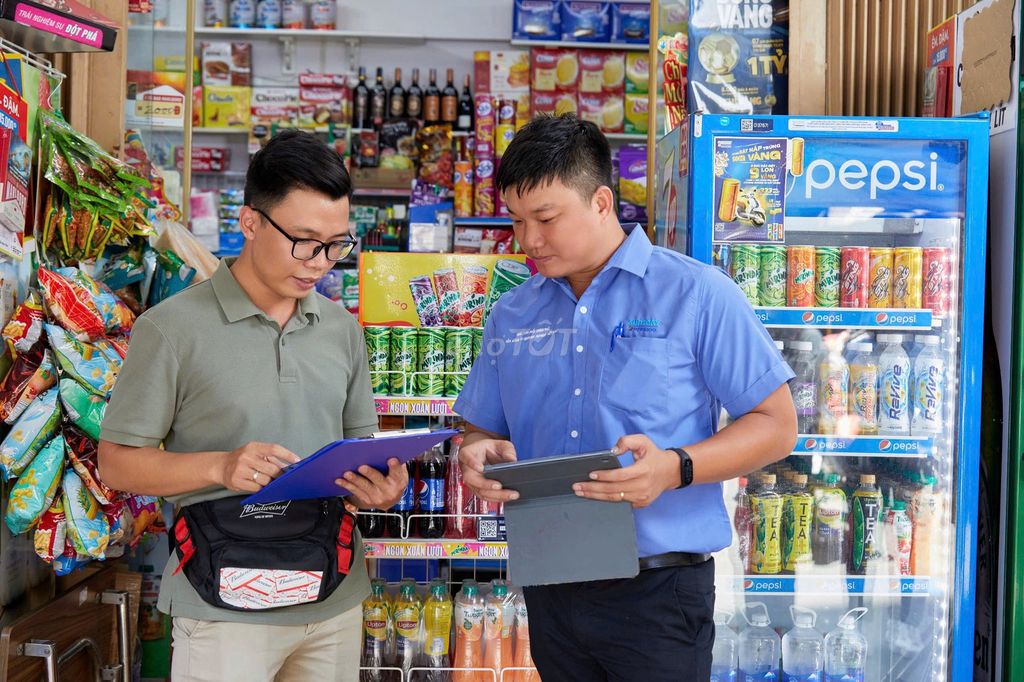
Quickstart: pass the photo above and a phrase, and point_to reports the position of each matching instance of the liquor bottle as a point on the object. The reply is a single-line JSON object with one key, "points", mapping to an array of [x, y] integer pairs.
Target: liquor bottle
{"points": [[465, 121], [361, 102], [450, 101], [397, 108], [414, 97], [379, 100], [432, 101]]}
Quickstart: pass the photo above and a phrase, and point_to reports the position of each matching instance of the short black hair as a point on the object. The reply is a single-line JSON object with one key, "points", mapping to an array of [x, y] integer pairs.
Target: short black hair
{"points": [[294, 159], [560, 148]]}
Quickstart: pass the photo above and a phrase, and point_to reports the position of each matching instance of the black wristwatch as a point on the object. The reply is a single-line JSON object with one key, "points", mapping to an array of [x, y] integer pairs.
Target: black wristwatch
{"points": [[685, 467]]}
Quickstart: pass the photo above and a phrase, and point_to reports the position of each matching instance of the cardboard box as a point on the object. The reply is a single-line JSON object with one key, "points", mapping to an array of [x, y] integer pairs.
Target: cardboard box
{"points": [[226, 106], [603, 110], [985, 63], [636, 113], [204, 159], [542, 103], [543, 69], [567, 71], [226, 63], [155, 98], [602, 71], [275, 105], [509, 71], [638, 74], [323, 98], [588, 22]]}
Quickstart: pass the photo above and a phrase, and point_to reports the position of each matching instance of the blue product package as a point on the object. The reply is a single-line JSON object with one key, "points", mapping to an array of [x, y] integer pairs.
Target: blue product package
{"points": [[631, 22], [739, 56], [536, 20], [586, 22]]}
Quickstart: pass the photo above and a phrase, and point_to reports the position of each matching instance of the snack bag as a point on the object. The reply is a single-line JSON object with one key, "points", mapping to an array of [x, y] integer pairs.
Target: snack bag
{"points": [[82, 453], [30, 433], [95, 365], [145, 511], [69, 560], [123, 270], [121, 523], [82, 407], [88, 528], [36, 488], [82, 305], [25, 327], [51, 532], [42, 380], [18, 377]]}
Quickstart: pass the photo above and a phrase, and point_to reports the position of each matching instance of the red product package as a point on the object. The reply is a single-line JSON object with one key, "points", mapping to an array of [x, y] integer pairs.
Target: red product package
{"points": [[72, 306], [51, 531], [82, 452], [18, 378], [25, 327]]}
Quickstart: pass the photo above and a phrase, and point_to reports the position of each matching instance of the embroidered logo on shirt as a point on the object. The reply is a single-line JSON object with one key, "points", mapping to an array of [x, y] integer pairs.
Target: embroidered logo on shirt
{"points": [[643, 326]]}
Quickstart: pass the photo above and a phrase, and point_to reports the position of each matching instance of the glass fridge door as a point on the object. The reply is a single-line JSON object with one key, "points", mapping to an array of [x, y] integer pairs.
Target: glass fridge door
{"points": [[851, 249]]}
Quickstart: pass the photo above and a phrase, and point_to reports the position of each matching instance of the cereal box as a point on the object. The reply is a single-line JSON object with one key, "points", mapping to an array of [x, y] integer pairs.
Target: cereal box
{"points": [[542, 103]]}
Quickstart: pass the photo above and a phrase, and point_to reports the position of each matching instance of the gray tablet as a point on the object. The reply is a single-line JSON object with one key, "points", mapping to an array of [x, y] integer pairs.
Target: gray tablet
{"points": [[556, 537]]}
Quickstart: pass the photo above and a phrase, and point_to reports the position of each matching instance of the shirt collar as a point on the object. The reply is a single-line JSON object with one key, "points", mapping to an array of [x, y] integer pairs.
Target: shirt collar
{"points": [[237, 305], [634, 254]]}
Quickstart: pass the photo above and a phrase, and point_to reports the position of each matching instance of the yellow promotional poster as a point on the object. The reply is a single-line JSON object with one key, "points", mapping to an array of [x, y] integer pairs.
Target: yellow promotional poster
{"points": [[433, 289]]}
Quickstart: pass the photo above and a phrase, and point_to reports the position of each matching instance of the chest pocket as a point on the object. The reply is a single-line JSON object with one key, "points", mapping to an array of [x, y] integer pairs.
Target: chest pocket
{"points": [[635, 376]]}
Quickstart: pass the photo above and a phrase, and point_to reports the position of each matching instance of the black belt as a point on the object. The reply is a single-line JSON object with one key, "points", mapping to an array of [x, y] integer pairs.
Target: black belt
{"points": [[670, 559]]}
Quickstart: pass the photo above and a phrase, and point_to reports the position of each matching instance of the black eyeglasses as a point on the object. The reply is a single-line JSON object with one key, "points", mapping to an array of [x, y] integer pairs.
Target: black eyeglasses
{"points": [[308, 249]]}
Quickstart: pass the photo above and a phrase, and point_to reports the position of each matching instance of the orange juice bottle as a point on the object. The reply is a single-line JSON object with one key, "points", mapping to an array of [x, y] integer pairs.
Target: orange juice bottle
{"points": [[469, 631], [499, 617], [523, 658]]}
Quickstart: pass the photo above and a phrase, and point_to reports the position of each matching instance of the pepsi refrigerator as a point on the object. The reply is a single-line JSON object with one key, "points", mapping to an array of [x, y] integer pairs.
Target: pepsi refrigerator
{"points": [[860, 244]]}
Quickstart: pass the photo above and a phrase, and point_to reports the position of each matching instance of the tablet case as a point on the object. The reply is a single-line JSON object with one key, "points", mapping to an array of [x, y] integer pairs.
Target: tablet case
{"points": [[556, 537], [315, 475]]}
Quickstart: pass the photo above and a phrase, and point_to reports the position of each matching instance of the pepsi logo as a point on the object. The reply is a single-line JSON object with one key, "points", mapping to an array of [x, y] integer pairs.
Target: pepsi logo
{"points": [[807, 317], [810, 444], [884, 445], [881, 318], [748, 584]]}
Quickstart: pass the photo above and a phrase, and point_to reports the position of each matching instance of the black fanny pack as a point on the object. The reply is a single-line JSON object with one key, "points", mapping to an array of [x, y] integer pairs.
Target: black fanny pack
{"points": [[264, 556]]}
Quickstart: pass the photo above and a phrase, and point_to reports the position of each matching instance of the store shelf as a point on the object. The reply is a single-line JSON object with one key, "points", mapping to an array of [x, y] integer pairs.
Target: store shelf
{"points": [[628, 47], [220, 131], [434, 549], [864, 446], [495, 221], [309, 33], [412, 406], [822, 585], [626, 137], [382, 192], [887, 319]]}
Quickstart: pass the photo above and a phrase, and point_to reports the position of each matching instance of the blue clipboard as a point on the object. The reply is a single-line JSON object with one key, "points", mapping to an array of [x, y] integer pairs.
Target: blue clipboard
{"points": [[314, 476]]}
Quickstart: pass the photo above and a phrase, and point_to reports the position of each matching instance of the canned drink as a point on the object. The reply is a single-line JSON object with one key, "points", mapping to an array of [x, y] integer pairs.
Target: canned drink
{"points": [[826, 276], [474, 295], [771, 286], [404, 358], [796, 157], [463, 205], [800, 281], [746, 270], [880, 278], [727, 203], [937, 269], [855, 266], [507, 275], [378, 353], [458, 359], [449, 296], [906, 278], [721, 255], [425, 300], [430, 345], [484, 192], [478, 341]]}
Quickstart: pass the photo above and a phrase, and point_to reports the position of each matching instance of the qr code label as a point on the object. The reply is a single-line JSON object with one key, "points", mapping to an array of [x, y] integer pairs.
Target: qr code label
{"points": [[491, 529], [746, 125], [488, 528]]}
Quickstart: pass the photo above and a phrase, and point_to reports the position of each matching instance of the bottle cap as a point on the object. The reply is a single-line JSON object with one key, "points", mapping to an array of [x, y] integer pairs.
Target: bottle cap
{"points": [[800, 479], [499, 591], [927, 339], [769, 479], [801, 345], [867, 478], [899, 505], [862, 347], [780, 345], [890, 338]]}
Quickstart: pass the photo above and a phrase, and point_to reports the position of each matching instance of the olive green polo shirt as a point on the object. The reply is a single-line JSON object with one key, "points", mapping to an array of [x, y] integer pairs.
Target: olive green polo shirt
{"points": [[208, 370]]}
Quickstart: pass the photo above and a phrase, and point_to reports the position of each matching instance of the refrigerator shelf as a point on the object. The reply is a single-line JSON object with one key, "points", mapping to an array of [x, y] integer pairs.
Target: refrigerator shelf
{"points": [[828, 585], [864, 446], [888, 319], [434, 549]]}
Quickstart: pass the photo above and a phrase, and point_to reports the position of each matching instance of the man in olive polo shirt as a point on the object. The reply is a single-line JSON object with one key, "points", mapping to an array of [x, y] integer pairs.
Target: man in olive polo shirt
{"points": [[238, 377]]}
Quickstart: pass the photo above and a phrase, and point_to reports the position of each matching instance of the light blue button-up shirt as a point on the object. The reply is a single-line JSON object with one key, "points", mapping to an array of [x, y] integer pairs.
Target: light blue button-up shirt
{"points": [[657, 345]]}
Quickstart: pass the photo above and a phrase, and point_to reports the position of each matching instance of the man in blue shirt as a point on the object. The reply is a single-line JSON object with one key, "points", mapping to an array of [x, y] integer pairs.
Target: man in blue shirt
{"points": [[617, 342]]}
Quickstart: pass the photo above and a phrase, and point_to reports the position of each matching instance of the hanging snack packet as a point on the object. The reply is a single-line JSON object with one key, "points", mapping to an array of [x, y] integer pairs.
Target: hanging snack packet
{"points": [[70, 560], [36, 488], [30, 433], [25, 327], [83, 305], [145, 511], [82, 453], [172, 276], [51, 531], [88, 527], [94, 365], [18, 377], [42, 380], [84, 408], [121, 523]]}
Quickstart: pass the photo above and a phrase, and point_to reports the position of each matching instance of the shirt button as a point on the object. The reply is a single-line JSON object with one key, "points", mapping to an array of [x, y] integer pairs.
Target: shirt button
{"points": [[583, 310], [574, 434], [579, 349], [578, 391]]}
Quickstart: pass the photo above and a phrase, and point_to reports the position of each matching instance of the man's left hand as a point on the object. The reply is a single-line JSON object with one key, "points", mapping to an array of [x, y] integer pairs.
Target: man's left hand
{"points": [[373, 490], [653, 472]]}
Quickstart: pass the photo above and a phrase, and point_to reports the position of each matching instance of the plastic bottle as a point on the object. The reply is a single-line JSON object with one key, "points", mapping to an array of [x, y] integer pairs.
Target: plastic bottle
{"points": [[925, 513], [828, 540], [797, 520], [469, 632], [407, 628], [376, 628], [523, 657], [833, 390], [405, 507], [928, 388], [460, 500], [846, 649], [893, 387], [725, 653], [759, 647], [803, 648], [899, 537], [437, 627], [742, 520], [804, 385], [431, 494], [866, 543], [499, 617], [864, 388], [766, 552]]}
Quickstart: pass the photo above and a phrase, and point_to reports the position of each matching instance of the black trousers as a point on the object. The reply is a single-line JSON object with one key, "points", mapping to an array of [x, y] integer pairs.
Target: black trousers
{"points": [[657, 626]]}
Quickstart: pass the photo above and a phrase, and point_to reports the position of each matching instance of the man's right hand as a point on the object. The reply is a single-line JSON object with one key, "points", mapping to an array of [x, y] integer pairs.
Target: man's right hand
{"points": [[252, 466], [472, 459]]}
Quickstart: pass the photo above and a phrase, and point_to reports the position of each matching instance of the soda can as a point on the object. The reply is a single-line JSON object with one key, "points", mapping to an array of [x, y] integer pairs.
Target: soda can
{"points": [[463, 205], [721, 255], [425, 300], [771, 285], [430, 345], [404, 358], [880, 278], [855, 265], [458, 360], [746, 270], [508, 274], [906, 277], [449, 297], [796, 156], [727, 203], [936, 266], [800, 280], [478, 341], [826, 276], [474, 295], [378, 353]]}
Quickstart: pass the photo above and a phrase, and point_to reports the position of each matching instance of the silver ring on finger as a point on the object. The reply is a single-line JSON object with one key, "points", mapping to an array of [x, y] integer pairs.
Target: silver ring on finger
{"points": [[622, 496], [255, 474]]}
